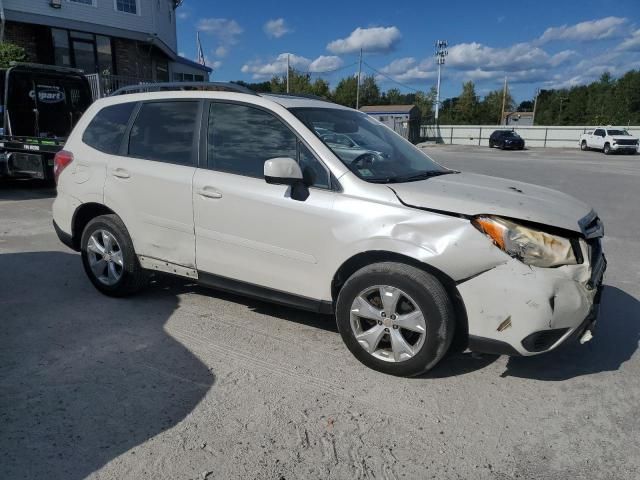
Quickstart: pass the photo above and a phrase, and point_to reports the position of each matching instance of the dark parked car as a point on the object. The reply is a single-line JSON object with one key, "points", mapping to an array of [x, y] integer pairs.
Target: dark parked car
{"points": [[506, 139]]}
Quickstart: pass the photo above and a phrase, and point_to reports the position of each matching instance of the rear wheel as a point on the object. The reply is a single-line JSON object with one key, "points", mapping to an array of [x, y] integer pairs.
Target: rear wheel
{"points": [[395, 318], [109, 259], [583, 145], [607, 149], [491, 144]]}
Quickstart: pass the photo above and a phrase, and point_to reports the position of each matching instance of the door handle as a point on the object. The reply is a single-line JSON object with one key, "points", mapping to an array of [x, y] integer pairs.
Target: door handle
{"points": [[120, 173], [209, 192]]}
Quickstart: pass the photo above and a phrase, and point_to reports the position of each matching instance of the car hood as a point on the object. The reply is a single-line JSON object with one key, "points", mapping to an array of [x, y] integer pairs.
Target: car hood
{"points": [[624, 137], [473, 194]]}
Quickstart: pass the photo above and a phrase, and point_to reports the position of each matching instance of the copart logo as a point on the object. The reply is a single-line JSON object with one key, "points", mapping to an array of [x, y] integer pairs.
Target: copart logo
{"points": [[48, 95]]}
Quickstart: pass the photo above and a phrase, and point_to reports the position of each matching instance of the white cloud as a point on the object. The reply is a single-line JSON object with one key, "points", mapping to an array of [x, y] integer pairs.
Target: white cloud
{"points": [[325, 63], [591, 30], [516, 57], [374, 39], [276, 28], [277, 66], [225, 30], [632, 43], [183, 14], [408, 69], [264, 69]]}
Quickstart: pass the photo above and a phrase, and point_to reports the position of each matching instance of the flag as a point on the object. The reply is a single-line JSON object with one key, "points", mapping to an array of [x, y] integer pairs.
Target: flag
{"points": [[201, 60]]}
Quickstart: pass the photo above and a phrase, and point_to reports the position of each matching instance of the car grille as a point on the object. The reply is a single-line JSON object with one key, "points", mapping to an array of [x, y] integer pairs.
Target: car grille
{"points": [[627, 142]]}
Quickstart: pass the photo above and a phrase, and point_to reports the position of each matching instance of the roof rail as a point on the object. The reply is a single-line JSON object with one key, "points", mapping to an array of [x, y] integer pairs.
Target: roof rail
{"points": [[184, 86], [310, 96]]}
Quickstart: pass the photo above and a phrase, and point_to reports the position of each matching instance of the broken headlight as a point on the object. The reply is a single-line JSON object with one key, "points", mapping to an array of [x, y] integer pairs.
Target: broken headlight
{"points": [[532, 247]]}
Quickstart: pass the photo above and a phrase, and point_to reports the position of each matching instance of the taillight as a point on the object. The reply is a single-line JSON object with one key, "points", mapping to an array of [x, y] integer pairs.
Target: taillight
{"points": [[61, 161]]}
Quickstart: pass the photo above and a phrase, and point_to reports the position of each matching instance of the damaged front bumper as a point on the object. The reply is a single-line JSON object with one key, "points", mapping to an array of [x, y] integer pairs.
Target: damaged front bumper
{"points": [[515, 309]]}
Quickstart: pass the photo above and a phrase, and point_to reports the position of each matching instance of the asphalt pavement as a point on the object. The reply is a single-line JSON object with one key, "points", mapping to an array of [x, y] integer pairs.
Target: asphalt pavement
{"points": [[182, 382]]}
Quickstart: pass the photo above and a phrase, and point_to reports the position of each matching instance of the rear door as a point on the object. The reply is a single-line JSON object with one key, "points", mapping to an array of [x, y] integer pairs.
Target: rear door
{"points": [[597, 139], [149, 184]]}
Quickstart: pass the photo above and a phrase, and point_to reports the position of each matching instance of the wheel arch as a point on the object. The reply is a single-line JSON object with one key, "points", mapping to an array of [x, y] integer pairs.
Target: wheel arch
{"points": [[82, 216], [360, 260]]}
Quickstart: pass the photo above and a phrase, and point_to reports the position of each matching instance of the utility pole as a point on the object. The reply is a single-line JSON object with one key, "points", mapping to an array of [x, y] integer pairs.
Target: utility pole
{"points": [[535, 105], [441, 53], [504, 100], [358, 86], [1, 21], [288, 68]]}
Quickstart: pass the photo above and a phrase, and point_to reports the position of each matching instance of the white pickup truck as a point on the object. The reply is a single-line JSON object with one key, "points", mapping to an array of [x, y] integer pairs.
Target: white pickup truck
{"points": [[609, 140]]}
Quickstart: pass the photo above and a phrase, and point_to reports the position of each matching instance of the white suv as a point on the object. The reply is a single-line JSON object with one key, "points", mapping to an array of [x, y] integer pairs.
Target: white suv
{"points": [[252, 193]]}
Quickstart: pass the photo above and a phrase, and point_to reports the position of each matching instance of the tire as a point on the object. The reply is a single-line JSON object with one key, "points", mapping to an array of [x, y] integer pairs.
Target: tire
{"points": [[583, 146], [129, 276], [410, 287], [607, 149], [491, 144]]}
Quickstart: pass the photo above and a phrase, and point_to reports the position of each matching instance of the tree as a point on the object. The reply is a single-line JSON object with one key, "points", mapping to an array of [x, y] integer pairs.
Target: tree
{"points": [[369, 91], [345, 92], [490, 108], [425, 101], [466, 109], [526, 106], [394, 97], [10, 52]]}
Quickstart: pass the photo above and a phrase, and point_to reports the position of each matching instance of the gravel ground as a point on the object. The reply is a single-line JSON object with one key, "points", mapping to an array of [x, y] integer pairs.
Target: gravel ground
{"points": [[181, 382]]}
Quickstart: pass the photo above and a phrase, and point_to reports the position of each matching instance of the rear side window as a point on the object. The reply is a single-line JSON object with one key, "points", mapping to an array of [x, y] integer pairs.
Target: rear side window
{"points": [[242, 138], [106, 129], [164, 132]]}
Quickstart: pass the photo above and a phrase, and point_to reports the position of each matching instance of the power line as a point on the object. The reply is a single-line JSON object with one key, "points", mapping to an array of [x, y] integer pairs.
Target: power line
{"points": [[392, 79]]}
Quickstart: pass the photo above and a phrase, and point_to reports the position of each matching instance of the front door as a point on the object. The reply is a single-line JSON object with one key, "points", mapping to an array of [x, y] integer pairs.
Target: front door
{"points": [[150, 183], [249, 230]]}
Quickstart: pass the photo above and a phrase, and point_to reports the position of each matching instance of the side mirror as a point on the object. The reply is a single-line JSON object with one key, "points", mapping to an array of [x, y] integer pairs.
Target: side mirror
{"points": [[286, 171], [282, 171]]}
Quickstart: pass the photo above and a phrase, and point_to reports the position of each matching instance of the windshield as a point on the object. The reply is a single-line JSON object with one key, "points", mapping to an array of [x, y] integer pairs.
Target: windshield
{"points": [[372, 151], [618, 132]]}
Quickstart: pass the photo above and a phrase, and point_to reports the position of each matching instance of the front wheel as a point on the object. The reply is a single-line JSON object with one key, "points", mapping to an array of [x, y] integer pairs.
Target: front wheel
{"points": [[607, 149], [395, 318], [583, 146], [109, 259]]}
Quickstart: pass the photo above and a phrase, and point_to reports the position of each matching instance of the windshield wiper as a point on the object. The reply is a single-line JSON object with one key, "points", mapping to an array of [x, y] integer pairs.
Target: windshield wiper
{"points": [[422, 175]]}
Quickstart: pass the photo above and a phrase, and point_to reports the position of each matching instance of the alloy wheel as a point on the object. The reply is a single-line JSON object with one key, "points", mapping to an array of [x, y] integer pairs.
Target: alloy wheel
{"points": [[105, 257], [387, 323]]}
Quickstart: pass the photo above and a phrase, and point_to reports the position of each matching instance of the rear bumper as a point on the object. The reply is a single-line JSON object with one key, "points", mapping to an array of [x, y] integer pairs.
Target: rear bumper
{"points": [[25, 165], [63, 236]]}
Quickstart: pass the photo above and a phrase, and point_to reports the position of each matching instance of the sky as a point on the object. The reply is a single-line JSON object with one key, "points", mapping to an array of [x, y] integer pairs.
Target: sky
{"points": [[536, 44]]}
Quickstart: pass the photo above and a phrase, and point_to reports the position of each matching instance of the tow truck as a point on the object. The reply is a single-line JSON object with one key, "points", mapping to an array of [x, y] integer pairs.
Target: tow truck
{"points": [[40, 105]]}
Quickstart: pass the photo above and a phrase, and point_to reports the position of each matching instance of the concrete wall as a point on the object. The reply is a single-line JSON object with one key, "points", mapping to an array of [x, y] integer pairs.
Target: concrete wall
{"points": [[538, 136]]}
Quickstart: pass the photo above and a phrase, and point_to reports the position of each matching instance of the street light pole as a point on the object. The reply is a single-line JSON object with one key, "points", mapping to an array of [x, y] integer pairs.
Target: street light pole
{"points": [[441, 53], [288, 68], [358, 86]]}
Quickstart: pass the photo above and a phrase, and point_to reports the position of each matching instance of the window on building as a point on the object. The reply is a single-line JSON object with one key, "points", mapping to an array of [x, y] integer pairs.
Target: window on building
{"points": [[163, 131], [89, 52], [127, 6], [106, 129], [242, 138], [84, 2]]}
